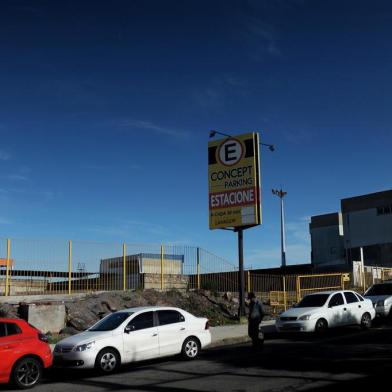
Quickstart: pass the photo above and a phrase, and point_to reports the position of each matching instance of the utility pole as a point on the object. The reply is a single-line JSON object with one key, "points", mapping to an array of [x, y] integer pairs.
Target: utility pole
{"points": [[281, 194]]}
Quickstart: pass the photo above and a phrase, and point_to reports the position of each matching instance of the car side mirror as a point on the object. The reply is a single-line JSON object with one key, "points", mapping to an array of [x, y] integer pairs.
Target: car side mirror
{"points": [[129, 328]]}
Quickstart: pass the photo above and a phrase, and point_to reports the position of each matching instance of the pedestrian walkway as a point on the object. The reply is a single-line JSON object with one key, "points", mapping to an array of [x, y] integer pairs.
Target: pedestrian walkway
{"points": [[236, 333]]}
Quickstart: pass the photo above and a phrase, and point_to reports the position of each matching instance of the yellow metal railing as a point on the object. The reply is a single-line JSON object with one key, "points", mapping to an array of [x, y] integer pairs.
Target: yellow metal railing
{"points": [[67, 267]]}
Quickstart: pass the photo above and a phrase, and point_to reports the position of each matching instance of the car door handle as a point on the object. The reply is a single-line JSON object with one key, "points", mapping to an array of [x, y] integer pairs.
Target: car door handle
{"points": [[154, 334], [344, 309], [182, 329]]}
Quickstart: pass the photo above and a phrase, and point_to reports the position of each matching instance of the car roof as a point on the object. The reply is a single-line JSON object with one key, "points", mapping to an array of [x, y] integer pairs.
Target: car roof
{"points": [[141, 308], [13, 320], [332, 292]]}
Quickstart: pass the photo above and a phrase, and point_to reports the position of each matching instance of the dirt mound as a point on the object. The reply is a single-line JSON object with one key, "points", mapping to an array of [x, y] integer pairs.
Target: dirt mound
{"points": [[218, 309]]}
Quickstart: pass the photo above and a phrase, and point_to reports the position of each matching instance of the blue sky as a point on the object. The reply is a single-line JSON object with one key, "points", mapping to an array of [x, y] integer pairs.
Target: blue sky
{"points": [[105, 110]]}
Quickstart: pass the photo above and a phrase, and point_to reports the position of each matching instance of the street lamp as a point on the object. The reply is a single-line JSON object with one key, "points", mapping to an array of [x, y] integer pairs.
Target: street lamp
{"points": [[281, 194], [213, 133]]}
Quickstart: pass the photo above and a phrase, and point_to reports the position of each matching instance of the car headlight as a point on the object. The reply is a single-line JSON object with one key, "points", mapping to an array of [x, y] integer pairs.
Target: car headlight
{"points": [[84, 347], [305, 317], [380, 302]]}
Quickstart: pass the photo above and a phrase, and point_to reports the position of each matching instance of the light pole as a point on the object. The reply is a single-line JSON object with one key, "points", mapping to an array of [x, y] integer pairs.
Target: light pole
{"points": [[240, 231], [213, 133], [281, 194]]}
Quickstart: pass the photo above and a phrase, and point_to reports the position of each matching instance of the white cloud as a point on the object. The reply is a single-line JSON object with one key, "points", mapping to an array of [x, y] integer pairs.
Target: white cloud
{"points": [[4, 155], [4, 221], [17, 177], [149, 126], [271, 257], [130, 228], [298, 247], [298, 230], [111, 167]]}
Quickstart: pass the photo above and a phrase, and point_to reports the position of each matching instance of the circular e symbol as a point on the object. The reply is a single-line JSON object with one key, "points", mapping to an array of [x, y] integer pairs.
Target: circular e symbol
{"points": [[230, 152]]}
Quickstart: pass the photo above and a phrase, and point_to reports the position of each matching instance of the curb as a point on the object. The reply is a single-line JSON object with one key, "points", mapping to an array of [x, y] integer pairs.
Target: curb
{"points": [[229, 342]]}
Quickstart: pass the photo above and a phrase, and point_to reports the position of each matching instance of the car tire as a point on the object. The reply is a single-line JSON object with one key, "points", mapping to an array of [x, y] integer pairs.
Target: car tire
{"points": [[321, 326], [107, 361], [190, 348], [27, 372], [366, 321]]}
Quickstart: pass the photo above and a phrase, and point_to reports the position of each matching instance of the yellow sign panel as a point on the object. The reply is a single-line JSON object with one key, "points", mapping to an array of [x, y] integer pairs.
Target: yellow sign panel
{"points": [[346, 277], [234, 181]]}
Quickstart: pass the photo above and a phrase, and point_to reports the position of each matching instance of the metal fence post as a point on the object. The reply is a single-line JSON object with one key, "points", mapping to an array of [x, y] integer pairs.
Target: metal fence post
{"points": [[298, 289], [124, 267], [162, 266], [284, 293], [249, 287], [7, 276], [198, 267], [70, 268]]}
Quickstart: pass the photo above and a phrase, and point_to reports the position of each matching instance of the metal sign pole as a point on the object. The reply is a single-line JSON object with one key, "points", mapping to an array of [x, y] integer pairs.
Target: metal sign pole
{"points": [[241, 275]]}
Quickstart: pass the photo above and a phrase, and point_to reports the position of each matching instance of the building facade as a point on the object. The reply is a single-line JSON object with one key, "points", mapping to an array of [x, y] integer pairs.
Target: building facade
{"points": [[365, 222]]}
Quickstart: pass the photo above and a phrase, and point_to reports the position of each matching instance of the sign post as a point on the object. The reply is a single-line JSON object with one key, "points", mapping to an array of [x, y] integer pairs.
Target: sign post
{"points": [[234, 191]]}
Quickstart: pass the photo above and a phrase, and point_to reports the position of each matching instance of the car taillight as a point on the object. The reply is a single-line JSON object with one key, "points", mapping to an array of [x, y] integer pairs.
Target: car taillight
{"points": [[207, 325], [43, 337]]}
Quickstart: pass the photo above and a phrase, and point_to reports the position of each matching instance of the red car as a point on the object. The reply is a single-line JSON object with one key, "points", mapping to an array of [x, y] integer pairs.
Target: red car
{"points": [[24, 353]]}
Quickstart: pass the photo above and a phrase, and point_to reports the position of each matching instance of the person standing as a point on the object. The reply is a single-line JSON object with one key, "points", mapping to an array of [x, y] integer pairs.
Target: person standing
{"points": [[255, 316]]}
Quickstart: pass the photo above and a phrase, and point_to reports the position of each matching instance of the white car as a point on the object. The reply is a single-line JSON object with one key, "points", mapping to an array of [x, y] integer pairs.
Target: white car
{"points": [[134, 334], [320, 311], [381, 296]]}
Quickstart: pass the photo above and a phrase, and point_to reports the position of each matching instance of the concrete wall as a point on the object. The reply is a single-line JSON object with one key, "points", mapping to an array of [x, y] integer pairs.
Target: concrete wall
{"points": [[327, 245], [363, 228], [23, 286], [153, 281], [47, 318]]}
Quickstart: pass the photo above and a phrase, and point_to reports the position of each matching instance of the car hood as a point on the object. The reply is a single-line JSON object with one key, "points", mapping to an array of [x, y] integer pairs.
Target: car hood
{"points": [[375, 298], [85, 337], [298, 312]]}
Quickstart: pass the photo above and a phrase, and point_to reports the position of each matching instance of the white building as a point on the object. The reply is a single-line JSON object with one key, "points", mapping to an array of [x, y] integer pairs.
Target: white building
{"points": [[364, 222]]}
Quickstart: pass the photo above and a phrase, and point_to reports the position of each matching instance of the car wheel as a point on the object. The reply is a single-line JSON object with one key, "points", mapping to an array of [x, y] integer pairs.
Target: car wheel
{"points": [[27, 372], [107, 360], [190, 348], [321, 326], [366, 321]]}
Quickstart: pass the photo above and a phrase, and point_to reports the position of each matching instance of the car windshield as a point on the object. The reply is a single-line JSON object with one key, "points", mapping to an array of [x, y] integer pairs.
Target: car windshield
{"points": [[380, 289], [313, 301], [111, 322]]}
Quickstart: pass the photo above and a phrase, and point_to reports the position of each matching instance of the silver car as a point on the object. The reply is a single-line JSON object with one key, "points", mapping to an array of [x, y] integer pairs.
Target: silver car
{"points": [[381, 296]]}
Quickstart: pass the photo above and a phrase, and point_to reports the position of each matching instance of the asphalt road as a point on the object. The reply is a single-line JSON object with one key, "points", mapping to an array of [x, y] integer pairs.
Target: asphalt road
{"points": [[342, 360]]}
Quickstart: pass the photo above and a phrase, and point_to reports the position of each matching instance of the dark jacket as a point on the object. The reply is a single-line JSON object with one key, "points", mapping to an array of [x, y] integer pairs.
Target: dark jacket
{"points": [[256, 311]]}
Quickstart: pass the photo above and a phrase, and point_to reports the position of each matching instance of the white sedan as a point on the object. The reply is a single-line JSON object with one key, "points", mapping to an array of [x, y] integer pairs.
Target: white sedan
{"points": [[134, 334], [320, 311]]}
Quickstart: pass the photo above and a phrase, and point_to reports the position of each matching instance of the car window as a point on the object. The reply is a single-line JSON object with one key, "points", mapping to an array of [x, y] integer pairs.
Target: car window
{"points": [[380, 289], [111, 322], [313, 301], [2, 330], [359, 297], [336, 300], [169, 317], [350, 297], [142, 321], [12, 329]]}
